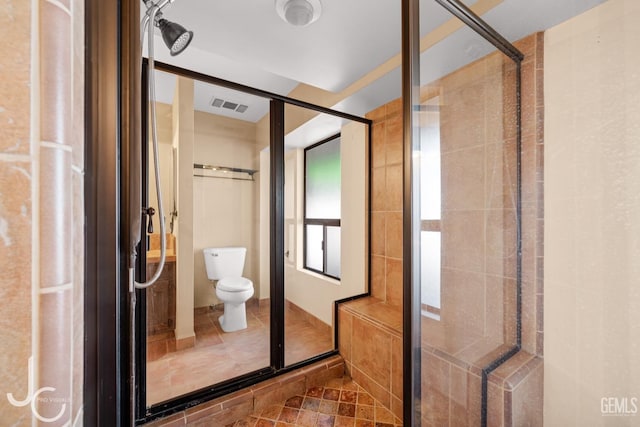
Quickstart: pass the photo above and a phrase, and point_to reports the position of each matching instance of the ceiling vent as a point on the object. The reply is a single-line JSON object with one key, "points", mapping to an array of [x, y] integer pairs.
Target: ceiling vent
{"points": [[229, 105]]}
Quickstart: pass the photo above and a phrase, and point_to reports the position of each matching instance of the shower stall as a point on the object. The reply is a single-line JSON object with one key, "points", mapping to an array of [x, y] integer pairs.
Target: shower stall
{"points": [[443, 204]]}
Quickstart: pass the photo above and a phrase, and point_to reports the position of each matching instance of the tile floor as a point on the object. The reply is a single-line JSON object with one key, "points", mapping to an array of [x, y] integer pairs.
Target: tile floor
{"points": [[218, 356], [340, 403]]}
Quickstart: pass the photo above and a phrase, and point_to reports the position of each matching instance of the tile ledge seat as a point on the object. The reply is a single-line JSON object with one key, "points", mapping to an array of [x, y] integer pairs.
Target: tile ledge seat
{"points": [[474, 357], [507, 375], [376, 311]]}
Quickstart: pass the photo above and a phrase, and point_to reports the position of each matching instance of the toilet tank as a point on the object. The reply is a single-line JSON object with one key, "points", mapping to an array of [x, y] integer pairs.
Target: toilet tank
{"points": [[224, 262]]}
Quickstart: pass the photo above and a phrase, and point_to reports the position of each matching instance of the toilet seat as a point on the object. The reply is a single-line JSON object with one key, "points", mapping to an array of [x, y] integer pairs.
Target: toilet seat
{"points": [[234, 284]]}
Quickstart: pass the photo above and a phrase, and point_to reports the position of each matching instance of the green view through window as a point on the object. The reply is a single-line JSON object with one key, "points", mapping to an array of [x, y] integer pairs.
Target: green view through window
{"points": [[322, 175]]}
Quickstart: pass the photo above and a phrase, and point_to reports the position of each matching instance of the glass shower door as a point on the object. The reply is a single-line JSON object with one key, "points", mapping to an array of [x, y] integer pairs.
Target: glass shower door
{"points": [[212, 148], [466, 225], [325, 164]]}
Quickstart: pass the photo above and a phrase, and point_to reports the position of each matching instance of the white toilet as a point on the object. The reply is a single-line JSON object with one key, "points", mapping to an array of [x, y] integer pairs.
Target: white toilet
{"points": [[225, 265]]}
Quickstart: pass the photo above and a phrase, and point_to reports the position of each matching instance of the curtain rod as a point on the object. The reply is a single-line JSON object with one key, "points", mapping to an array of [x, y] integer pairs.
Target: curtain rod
{"points": [[224, 169]]}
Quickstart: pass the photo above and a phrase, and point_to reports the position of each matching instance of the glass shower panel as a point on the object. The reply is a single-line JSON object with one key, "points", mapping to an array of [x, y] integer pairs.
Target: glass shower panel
{"points": [[312, 202], [325, 195], [218, 186], [468, 214]]}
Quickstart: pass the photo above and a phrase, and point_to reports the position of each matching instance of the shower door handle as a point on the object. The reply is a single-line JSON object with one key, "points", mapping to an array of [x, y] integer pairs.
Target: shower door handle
{"points": [[150, 212]]}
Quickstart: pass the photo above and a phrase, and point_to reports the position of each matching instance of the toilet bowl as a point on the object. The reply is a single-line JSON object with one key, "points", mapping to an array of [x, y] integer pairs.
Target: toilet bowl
{"points": [[225, 266], [234, 292]]}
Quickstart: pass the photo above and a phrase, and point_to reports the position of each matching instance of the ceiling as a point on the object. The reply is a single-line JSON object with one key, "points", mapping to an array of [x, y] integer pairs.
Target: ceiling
{"points": [[350, 52]]}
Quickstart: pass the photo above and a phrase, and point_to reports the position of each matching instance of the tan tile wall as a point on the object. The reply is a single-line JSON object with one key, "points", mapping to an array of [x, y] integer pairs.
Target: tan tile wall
{"points": [[532, 192], [478, 160], [370, 342], [386, 203], [41, 210], [16, 208]]}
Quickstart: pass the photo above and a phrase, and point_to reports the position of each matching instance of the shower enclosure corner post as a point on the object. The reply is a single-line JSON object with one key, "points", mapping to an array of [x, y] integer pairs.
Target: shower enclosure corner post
{"points": [[277, 233], [102, 380], [411, 267]]}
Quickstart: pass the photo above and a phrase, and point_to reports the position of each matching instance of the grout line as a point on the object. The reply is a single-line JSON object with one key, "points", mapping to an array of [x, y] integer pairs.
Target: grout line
{"points": [[55, 145], [57, 288], [8, 157]]}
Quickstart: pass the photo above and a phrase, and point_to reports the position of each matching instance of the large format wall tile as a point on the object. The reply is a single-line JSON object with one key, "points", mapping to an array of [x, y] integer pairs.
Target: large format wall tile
{"points": [[42, 210]]}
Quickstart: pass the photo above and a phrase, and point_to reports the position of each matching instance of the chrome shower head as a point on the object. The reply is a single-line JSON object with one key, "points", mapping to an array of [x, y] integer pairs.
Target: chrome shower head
{"points": [[175, 36]]}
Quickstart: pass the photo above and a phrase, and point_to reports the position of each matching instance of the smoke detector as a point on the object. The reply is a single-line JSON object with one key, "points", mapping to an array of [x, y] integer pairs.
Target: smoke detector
{"points": [[299, 12]]}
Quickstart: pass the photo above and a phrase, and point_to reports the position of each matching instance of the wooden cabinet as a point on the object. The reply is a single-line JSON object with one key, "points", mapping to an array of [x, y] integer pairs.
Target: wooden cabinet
{"points": [[161, 300]]}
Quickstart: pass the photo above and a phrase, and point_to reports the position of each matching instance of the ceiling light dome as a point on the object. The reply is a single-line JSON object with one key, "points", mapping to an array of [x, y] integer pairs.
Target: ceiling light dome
{"points": [[299, 12]]}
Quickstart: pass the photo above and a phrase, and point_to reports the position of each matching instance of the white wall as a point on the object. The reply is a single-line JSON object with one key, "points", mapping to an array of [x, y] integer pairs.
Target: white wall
{"points": [[313, 292], [224, 211], [218, 141], [592, 216], [264, 289], [183, 123], [165, 149]]}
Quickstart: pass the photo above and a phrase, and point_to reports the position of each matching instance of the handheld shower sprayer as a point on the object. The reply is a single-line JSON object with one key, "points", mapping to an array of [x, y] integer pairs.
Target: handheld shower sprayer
{"points": [[177, 38]]}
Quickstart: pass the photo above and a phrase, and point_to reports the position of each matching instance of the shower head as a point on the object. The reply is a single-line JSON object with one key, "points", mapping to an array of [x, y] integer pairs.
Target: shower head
{"points": [[175, 36]]}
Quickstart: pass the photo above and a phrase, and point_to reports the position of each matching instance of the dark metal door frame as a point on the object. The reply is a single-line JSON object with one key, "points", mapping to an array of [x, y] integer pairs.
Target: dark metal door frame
{"points": [[107, 96], [411, 219]]}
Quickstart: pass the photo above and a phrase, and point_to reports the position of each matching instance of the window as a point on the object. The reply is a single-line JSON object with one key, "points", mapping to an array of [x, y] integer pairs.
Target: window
{"points": [[430, 208], [322, 178]]}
